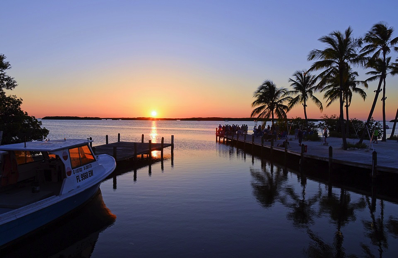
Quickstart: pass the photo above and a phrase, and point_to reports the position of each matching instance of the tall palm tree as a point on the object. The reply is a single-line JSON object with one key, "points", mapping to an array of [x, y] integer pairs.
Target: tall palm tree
{"points": [[304, 85], [340, 51], [332, 89], [379, 43], [394, 71], [269, 102]]}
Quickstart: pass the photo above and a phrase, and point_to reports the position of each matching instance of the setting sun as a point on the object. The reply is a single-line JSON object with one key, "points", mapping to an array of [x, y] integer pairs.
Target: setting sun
{"points": [[154, 113]]}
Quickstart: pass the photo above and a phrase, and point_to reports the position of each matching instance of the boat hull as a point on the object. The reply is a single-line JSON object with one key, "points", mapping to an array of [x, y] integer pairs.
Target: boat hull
{"points": [[19, 227]]}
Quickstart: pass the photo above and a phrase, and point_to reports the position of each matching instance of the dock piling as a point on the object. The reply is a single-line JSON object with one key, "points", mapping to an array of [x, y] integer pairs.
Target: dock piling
{"points": [[115, 152], [286, 142], [374, 164], [106, 139], [272, 147], [118, 137], [150, 150], [330, 159]]}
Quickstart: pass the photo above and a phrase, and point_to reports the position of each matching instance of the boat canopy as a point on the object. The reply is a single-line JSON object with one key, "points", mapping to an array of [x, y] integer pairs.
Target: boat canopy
{"points": [[52, 145]]}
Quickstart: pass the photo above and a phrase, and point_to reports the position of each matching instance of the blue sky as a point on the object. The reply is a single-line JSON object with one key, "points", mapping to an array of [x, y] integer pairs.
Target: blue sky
{"points": [[182, 58]]}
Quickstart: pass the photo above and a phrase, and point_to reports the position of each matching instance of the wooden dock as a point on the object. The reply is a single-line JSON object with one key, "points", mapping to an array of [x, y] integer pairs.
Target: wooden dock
{"points": [[129, 150], [384, 160]]}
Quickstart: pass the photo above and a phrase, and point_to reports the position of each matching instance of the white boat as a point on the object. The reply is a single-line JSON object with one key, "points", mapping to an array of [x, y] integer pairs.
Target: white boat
{"points": [[41, 181]]}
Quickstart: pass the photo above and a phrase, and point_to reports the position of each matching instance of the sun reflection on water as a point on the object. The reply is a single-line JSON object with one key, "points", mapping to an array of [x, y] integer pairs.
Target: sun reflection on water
{"points": [[154, 132]]}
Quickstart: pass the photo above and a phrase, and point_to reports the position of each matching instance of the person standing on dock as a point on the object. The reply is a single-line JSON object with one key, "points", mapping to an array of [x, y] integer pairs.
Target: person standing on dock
{"points": [[325, 133], [375, 135], [300, 136]]}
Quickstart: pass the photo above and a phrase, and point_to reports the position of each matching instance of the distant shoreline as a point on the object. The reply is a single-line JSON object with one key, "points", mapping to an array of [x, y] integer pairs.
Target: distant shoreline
{"points": [[159, 119], [168, 119]]}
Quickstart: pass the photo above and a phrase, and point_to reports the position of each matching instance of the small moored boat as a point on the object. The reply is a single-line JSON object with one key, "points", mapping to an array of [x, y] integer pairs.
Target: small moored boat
{"points": [[41, 181]]}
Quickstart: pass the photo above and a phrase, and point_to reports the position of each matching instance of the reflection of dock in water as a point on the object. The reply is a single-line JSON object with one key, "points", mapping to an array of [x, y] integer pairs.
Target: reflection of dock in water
{"points": [[354, 179], [139, 163], [69, 236]]}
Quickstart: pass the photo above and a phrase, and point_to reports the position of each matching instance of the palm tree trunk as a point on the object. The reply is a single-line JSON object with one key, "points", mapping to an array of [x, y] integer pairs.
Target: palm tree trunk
{"points": [[272, 123], [384, 111], [348, 120], [342, 109], [395, 123], [305, 113], [371, 110]]}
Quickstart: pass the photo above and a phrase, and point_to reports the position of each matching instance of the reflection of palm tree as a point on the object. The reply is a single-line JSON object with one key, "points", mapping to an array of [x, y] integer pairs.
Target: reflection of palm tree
{"points": [[302, 209], [375, 229], [341, 211], [319, 248], [267, 184]]}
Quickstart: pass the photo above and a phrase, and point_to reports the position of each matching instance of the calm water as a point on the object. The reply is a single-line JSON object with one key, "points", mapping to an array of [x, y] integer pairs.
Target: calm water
{"points": [[214, 201]]}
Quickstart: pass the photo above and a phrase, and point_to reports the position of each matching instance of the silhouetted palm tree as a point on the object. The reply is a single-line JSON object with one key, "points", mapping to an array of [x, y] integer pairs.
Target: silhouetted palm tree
{"points": [[332, 90], [269, 102], [304, 85], [379, 42], [340, 51]]}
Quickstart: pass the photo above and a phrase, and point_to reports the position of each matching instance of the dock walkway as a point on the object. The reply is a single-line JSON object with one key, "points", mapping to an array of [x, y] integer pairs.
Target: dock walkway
{"points": [[387, 152], [128, 150]]}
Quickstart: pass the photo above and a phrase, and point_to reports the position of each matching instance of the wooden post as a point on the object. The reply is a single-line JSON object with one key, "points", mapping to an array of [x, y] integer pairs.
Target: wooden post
{"points": [[330, 159], [135, 161], [118, 137], [91, 143], [374, 164], [286, 142], [106, 139], [161, 146], [150, 149], [142, 138], [172, 141], [115, 152], [252, 143], [114, 182], [272, 147], [302, 156], [135, 152]]}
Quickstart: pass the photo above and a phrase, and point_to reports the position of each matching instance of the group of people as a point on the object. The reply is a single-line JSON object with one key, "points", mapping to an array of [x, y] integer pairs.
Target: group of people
{"points": [[269, 132], [231, 129]]}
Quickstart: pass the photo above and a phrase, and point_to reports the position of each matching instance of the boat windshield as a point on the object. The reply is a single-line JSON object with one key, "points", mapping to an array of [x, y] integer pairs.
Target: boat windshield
{"points": [[80, 156]]}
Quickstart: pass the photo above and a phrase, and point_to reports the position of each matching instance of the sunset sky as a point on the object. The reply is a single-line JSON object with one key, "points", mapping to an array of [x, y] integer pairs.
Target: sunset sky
{"points": [[179, 58]]}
